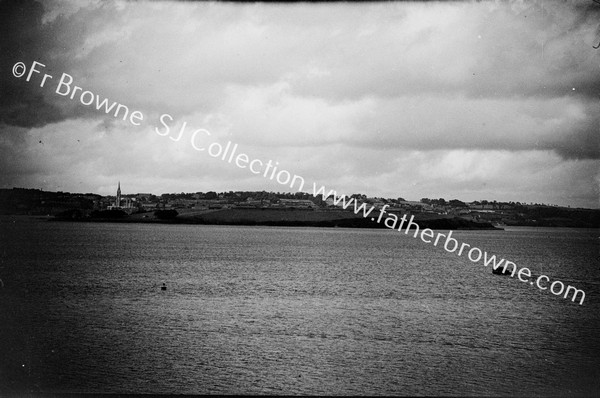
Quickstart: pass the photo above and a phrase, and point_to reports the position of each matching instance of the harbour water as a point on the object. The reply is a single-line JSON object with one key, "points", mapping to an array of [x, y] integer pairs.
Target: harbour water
{"points": [[267, 310]]}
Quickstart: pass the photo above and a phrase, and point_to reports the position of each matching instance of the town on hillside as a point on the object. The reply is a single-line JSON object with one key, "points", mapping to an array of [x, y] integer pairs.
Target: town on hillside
{"points": [[77, 205]]}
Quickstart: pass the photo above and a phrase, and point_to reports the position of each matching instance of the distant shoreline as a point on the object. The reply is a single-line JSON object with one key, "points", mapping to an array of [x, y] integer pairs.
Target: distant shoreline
{"points": [[292, 218]]}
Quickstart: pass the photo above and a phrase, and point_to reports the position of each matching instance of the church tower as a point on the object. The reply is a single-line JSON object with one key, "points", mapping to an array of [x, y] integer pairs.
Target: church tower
{"points": [[118, 201]]}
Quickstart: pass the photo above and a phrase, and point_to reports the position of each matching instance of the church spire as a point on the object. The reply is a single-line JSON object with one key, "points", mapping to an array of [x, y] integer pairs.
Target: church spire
{"points": [[118, 201]]}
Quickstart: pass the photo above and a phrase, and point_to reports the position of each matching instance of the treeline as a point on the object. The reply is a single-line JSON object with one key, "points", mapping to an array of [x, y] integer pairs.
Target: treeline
{"points": [[443, 202], [113, 214], [36, 201], [544, 216]]}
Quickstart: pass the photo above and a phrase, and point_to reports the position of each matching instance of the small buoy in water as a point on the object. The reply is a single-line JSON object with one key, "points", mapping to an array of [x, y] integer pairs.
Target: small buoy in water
{"points": [[163, 287]]}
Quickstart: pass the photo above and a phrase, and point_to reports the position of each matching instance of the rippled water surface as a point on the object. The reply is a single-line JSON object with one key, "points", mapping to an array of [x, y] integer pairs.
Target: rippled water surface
{"points": [[265, 310]]}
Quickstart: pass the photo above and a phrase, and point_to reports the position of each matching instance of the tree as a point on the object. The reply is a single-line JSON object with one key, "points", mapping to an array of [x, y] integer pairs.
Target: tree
{"points": [[166, 214], [457, 203], [115, 213]]}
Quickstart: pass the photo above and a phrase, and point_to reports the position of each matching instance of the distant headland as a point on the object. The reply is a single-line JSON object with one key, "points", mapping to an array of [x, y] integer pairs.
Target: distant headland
{"points": [[285, 209]]}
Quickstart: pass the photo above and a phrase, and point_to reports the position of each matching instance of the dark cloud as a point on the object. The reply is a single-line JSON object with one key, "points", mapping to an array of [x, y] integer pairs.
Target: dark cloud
{"points": [[23, 39], [581, 140], [27, 37]]}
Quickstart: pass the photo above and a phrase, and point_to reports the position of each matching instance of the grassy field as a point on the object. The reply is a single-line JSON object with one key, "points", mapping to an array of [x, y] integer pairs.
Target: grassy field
{"points": [[247, 216]]}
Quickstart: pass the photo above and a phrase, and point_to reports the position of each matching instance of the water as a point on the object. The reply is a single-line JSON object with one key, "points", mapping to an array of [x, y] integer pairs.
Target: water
{"points": [[266, 310]]}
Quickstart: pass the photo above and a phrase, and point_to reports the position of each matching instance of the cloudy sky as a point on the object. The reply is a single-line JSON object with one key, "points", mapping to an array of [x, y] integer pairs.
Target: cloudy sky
{"points": [[467, 100]]}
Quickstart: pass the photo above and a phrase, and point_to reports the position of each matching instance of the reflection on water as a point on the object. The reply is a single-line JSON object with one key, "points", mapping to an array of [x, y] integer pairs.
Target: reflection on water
{"points": [[292, 311]]}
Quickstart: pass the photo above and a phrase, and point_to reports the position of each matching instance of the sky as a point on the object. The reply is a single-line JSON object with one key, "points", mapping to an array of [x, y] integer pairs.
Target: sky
{"points": [[466, 100]]}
